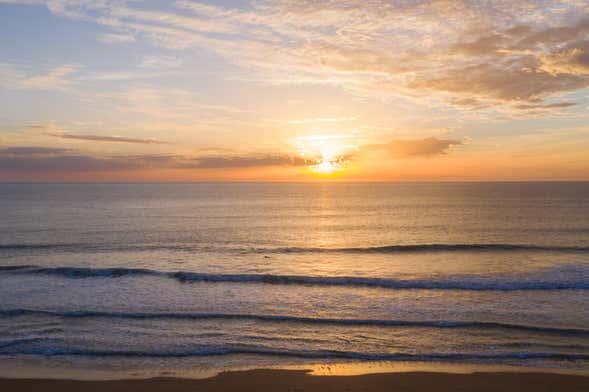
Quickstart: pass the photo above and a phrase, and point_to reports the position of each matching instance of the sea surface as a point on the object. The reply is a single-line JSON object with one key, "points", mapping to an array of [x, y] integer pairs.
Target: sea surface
{"points": [[170, 277]]}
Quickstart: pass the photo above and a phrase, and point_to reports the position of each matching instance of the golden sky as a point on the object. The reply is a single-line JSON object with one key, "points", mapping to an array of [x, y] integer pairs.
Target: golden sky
{"points": [[294, 90]]}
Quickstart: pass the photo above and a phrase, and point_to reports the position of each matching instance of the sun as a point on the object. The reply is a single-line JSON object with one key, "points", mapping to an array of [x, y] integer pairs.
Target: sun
{"points": [[326, 154], [325, 167]]}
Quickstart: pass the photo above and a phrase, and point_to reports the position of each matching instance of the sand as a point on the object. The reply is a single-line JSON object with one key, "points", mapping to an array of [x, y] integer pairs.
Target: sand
{"points": [[298, 381]]}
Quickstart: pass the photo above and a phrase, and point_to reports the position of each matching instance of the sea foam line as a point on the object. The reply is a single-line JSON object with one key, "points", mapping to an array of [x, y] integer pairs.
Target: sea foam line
{"points": [[452, 282], [310, 354], [81, 314]]}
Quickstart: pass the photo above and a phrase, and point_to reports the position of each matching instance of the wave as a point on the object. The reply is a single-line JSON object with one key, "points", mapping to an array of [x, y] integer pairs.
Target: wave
{"points": [[452, 282], [416, 248], [300, 320], [36, 246], [11, 343], [310, 354], [407, 248]]}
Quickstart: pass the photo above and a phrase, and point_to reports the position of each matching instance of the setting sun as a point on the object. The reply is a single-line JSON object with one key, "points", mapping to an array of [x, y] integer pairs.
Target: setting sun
{"points": [[327, 154], [326, 167]]}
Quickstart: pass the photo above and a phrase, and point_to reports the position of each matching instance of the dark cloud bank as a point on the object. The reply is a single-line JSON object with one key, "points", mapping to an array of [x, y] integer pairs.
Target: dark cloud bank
{"points": [[47, 159]]}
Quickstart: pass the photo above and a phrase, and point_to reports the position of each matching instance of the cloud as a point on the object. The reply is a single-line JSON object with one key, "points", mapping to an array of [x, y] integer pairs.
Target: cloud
{"points": [[492, 53], [112, 38], [428, 147], [50, 160], [160, 62], [32, 150], [322, 120], [574, 59], [225, 162], [55, 79], [110, 139], [411, 148], [39, 126], [556, 35], [360, 60], [481, 46], [501, 82], [65, 163], [46, 159], [558, 105]]}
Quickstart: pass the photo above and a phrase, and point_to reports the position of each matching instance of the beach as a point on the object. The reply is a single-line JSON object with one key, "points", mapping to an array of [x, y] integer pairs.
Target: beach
{"points": [[299, 381]]}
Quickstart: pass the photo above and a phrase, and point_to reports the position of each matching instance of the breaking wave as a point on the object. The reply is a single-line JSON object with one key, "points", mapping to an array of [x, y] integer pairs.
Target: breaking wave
{"points": [[293, 319], [566, 278], [310, 354]]}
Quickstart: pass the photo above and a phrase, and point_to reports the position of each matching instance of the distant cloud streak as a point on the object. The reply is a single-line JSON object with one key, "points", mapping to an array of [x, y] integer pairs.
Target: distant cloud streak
{"points": [[48, 160], [422, 147], [55, 79], [32, 150], [408, 148], [225, 162], [111, 38], [110, 139]]}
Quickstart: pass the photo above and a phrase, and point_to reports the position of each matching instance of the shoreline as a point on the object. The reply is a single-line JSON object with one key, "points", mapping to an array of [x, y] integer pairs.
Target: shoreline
{"points": [[39, 369], [302, 380]]}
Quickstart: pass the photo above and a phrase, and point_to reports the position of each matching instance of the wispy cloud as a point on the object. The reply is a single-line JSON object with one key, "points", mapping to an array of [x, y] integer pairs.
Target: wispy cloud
{"points": [[49, 160], [424, 147], [32, 151], [410, 148], [322, 120], [496, 52], [55, 79], [244, 161], [16, 77], [489, 52], [112, 38], [572, 59], [548, 106], [109, 139], [160, 62]]}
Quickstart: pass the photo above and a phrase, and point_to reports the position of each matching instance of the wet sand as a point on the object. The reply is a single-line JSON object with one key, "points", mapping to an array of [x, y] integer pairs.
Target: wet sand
{"points": [[299, 381]]}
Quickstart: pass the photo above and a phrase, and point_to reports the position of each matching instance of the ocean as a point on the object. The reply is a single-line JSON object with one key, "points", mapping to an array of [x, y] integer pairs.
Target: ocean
{"points": [[162, 279]]}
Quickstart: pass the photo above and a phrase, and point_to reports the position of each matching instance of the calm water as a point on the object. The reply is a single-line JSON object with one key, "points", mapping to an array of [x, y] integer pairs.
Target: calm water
{"points": [[179, 276]]}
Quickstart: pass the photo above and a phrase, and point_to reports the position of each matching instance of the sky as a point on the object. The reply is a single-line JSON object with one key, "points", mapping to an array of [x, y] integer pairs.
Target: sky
{"points": [[294, 90]]}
